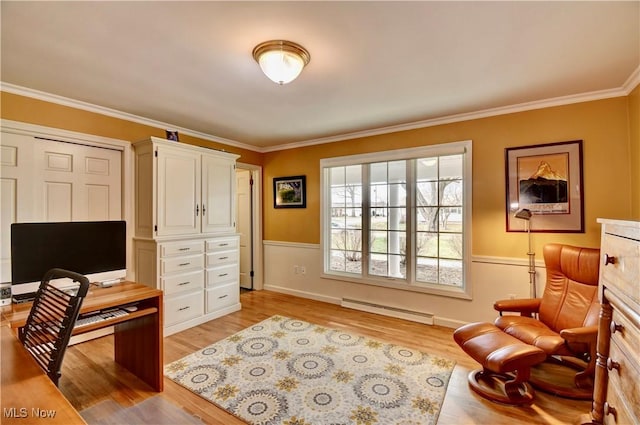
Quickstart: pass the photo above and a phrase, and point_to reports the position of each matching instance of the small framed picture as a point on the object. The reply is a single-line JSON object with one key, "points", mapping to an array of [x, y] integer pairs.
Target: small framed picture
{"points": [[289, 192], [172, 135]]}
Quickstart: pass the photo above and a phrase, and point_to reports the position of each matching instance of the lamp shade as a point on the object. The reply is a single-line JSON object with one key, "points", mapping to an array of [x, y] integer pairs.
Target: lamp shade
{"points": [[280, 60]]}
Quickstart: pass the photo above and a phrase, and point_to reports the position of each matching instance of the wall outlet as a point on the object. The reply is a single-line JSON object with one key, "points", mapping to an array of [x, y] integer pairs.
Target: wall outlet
{"points": [[303, 270], [295, 270], [512, 296]]}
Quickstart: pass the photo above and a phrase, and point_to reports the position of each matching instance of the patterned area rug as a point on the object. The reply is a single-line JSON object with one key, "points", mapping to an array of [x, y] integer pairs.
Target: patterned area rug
{"points": [[290, 372]]}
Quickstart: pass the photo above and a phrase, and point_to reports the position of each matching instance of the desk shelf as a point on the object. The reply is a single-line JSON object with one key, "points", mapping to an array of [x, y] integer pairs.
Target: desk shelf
{"points": [[111, 322]]}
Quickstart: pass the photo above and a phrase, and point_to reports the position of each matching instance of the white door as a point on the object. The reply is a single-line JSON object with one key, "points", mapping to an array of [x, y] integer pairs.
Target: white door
{"points": [[243, 226], [45, 180], [178, 191], [218, 181]]}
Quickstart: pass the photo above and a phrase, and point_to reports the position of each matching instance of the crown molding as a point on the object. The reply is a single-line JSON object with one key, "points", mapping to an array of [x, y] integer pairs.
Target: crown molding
{"points": [[630, 84], [89, 107]]}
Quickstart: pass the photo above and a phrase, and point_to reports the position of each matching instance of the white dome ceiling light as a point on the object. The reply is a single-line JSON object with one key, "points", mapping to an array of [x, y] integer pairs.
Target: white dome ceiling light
{"points": [[280, 60]]}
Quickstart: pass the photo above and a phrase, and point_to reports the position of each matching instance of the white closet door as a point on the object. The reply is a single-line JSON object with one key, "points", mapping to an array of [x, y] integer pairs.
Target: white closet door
{"points": [[45, 180]]}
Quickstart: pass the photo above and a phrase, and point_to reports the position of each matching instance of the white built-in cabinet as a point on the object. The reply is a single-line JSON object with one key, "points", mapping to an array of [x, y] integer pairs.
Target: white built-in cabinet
{"points": [[185, 241]]}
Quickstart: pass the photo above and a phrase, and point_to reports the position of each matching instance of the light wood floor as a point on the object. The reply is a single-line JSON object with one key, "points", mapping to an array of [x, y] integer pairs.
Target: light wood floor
{"points": [[90, 375]]}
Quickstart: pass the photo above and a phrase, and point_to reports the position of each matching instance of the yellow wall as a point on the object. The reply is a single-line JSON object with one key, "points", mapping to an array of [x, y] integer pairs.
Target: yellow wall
{"points": [[25, 109], [634, 157], [609, 128], [602, 125]]}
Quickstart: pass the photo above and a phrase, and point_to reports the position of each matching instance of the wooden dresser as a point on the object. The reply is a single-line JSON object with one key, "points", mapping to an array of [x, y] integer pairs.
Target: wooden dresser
{"points": [[616, 395]]}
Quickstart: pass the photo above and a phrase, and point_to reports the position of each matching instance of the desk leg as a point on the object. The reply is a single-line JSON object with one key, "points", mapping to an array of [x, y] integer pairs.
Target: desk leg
{"points": [[139, 347]]}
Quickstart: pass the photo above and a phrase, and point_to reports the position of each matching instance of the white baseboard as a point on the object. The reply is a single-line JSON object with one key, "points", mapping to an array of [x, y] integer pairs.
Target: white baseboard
{"points": [[448, 323], [303, 294]]}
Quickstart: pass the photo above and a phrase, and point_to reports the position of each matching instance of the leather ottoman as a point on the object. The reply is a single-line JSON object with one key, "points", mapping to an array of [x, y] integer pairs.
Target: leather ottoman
{"points": [[506, 363]]}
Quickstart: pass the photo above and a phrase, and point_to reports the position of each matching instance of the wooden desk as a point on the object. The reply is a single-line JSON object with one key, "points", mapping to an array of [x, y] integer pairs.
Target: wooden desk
{"points": [[27, 392], [137, 342]]}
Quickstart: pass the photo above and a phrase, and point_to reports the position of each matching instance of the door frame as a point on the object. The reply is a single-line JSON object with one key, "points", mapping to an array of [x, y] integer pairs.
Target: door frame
{"points": [[256, 222], [67, 136]]}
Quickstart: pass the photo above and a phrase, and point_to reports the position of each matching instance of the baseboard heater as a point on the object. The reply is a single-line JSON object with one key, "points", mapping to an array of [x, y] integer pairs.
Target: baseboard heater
{"points": [[399, 313]]}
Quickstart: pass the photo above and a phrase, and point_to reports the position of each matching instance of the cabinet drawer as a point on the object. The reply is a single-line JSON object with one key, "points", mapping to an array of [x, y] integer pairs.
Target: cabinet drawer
{"points": [[628, 337], [222, 244], [218, 276], [624, 273], [222, 258], [222, 296], [181, 248], [625, 376], [180, 264], [185, 307], [183, 282], [614, 402]]}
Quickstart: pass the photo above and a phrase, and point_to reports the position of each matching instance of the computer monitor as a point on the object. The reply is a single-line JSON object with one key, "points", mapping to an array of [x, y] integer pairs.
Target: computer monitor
{"points": [[96, 249]]}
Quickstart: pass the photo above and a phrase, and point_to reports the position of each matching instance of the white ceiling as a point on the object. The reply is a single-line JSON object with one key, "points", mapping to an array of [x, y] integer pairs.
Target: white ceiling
{"points": [[188, 65]]}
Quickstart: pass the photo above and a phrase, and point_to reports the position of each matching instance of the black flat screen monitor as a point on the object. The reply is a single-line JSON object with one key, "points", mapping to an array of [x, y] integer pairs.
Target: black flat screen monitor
{"points": [[96, 249]]}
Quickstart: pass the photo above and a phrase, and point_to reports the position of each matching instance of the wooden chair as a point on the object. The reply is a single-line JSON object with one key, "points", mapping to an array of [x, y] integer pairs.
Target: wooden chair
{"points": [[563, 323], [50, 323]]}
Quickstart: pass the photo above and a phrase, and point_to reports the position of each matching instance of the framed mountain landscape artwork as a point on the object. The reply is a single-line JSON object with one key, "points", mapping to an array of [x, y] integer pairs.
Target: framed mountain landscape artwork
{"points": [[546, 180]]}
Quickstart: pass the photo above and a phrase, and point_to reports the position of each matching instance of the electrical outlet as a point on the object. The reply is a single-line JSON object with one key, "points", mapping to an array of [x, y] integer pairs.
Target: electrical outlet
{"points": [[295, 270], [303, 270], [512, 296]]}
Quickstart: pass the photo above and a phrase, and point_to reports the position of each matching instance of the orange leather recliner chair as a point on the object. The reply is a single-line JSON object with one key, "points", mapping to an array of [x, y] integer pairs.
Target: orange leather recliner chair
{"points": [[563, 323]]}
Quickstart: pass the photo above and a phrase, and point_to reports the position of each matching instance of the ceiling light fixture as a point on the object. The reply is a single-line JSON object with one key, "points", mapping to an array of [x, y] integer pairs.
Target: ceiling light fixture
{"points": [[280, 60]]}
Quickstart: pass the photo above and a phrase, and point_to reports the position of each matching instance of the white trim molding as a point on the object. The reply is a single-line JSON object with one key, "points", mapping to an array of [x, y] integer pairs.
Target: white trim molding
{"points": [[624, 90], [89, 107]]}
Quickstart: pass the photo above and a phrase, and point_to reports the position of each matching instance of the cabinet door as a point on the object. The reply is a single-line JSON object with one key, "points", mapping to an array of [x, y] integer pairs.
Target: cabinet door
{"points": [[178, 191], [218, 188]]}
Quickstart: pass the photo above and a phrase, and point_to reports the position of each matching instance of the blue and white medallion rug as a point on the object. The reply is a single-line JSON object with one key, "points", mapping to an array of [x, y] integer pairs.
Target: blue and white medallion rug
{"points": [[291, 372]]}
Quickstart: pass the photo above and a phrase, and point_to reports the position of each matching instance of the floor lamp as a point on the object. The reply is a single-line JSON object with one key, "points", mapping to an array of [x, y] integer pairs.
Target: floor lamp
{"points": [[526, 215]]}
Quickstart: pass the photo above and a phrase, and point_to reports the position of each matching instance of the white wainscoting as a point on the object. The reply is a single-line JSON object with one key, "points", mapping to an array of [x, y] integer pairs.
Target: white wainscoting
{"points": [[295, 268]]}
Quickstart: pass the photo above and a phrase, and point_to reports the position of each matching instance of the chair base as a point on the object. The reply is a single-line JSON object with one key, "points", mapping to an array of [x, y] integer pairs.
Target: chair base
{"points": [[557, 376], [501, 388]]}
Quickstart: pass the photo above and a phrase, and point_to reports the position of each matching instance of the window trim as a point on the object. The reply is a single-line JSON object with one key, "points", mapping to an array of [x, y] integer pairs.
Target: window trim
{"points": [[394, 155]]}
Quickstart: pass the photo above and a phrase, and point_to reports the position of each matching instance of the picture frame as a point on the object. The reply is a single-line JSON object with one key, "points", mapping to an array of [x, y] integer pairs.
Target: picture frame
{"points": [[172, 135], [290, 192], [547, 181]]}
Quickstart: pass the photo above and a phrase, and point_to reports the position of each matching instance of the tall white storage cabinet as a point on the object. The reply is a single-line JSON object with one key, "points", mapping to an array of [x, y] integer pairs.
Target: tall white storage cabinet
{"points": [[185, 241]]}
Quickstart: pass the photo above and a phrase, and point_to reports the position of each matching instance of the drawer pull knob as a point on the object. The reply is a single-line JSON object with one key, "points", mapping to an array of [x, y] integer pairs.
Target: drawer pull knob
{"points": [[612, 364], [609, 259], [183, 283], [223, 274], [615, 327], [184, 249], [183, 308], [222, 296], [222, 258], [610, 410], [223, 244], [183, 264]]}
